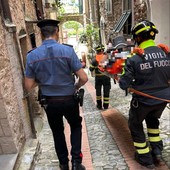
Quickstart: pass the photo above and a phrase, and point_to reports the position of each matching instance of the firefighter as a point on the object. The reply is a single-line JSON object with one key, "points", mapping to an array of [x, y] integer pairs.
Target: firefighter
{"points": [[148, 73], [100, 79]]}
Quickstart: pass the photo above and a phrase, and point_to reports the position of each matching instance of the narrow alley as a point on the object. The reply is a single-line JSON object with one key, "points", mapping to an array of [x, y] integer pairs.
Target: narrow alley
{"points": [[34, 33], [106, 144]]}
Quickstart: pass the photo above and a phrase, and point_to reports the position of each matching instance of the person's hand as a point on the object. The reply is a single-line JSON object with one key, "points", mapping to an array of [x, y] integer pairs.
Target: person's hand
{"points": [[83, 64], [77, 86], [116, 77]]}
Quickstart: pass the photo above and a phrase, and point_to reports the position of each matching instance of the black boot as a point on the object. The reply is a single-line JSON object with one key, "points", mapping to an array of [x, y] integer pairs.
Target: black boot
{"points": [[99, 107], [99, 104], [78, 166], [105, 105], [157, 156], [64, 167], [145, 160]]}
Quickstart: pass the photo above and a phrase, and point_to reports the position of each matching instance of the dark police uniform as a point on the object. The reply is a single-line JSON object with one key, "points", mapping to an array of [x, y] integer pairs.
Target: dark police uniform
{"points": [[52, 65], [101, 81], [149, 74]]}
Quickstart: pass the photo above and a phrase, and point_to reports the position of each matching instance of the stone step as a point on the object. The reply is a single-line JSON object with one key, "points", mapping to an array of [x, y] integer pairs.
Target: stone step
{"points": [[27, 158], [7, 162]]}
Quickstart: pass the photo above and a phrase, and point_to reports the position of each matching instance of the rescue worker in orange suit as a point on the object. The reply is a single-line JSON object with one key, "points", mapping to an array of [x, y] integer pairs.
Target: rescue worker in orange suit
{"points": [[100, 80], [150, 74]]}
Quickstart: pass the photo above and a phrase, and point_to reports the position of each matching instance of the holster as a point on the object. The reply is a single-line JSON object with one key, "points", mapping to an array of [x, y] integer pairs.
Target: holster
{"points": [[79, 95], [41, 99]]}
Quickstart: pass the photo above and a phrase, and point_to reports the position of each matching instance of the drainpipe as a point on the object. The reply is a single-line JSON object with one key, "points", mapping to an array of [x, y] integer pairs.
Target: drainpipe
{"points": [[149, 11], [91, 22], [98, 17]]}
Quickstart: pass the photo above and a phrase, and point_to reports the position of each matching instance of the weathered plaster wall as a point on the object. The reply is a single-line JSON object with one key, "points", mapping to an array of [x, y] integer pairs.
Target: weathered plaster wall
{"points": [[10, 122], [14, 116], [160, 15]]}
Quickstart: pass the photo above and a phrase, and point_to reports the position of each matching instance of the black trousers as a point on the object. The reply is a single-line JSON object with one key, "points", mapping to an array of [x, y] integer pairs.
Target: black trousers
{"points": [[70, 110], [102, 81], [137, 115], [151, 114]]}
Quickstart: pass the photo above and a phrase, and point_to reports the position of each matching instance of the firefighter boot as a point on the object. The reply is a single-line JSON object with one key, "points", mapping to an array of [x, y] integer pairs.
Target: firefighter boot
{"points": [[105, 102], [105, 105], [145, 160], [99, 104], [157, 156]]}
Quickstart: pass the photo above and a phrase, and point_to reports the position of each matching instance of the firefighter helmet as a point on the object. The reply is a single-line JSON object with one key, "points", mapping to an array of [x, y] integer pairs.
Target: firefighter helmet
{"points": [[100, 48], [144, 28]]}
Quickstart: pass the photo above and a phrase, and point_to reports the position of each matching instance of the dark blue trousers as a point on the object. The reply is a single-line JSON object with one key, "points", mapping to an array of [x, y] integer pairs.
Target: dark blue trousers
{"points": [[68, 108]]}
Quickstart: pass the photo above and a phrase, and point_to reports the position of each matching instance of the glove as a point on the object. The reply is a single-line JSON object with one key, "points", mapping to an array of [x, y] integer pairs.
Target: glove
{"points": [[164, 47]]}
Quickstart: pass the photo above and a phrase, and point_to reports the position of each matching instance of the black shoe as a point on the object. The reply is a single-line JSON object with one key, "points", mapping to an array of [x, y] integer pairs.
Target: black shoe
{"points": [[105, 106], [157, 157], [152, 166], [146, 164], [64, 167], [99, 107], [78, 166]]}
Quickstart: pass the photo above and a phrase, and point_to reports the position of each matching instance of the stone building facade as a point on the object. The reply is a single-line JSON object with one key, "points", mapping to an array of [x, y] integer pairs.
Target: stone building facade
{"points": [[138, 10], [18, 35]]}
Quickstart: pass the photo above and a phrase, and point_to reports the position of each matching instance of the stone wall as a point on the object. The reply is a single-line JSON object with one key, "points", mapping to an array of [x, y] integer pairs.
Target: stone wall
{"points": [[10, 123], [117, 11], [140, 10], [15, 126]]}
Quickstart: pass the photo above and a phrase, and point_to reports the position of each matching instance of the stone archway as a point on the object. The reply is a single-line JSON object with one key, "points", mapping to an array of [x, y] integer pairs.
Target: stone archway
{"points": [[73, 17], [74, 26]]}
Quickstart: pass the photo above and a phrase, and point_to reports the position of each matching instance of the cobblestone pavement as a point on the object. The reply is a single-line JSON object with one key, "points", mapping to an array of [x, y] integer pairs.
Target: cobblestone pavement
{"points": [[94, 120], [104, 150]]}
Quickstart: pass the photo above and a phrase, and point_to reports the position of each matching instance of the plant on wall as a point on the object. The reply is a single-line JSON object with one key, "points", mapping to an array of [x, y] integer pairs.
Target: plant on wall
{"points": [[90, 36], [58, 3]]}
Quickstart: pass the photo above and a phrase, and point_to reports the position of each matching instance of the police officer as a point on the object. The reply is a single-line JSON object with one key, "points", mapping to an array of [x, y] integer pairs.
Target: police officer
{"points": [[51, 66], [100, 80], [146, 74]]}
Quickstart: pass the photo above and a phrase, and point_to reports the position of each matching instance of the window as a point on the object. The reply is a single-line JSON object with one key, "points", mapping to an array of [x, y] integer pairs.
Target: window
{"points": [[125, 21], [108, 6], [33, 41], [81, 6], [4, 6], [121, 22], [127, 5]]}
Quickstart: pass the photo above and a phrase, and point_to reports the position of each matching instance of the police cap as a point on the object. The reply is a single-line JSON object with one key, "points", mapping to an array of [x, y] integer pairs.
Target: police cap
{"points": [[48, 22]]}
